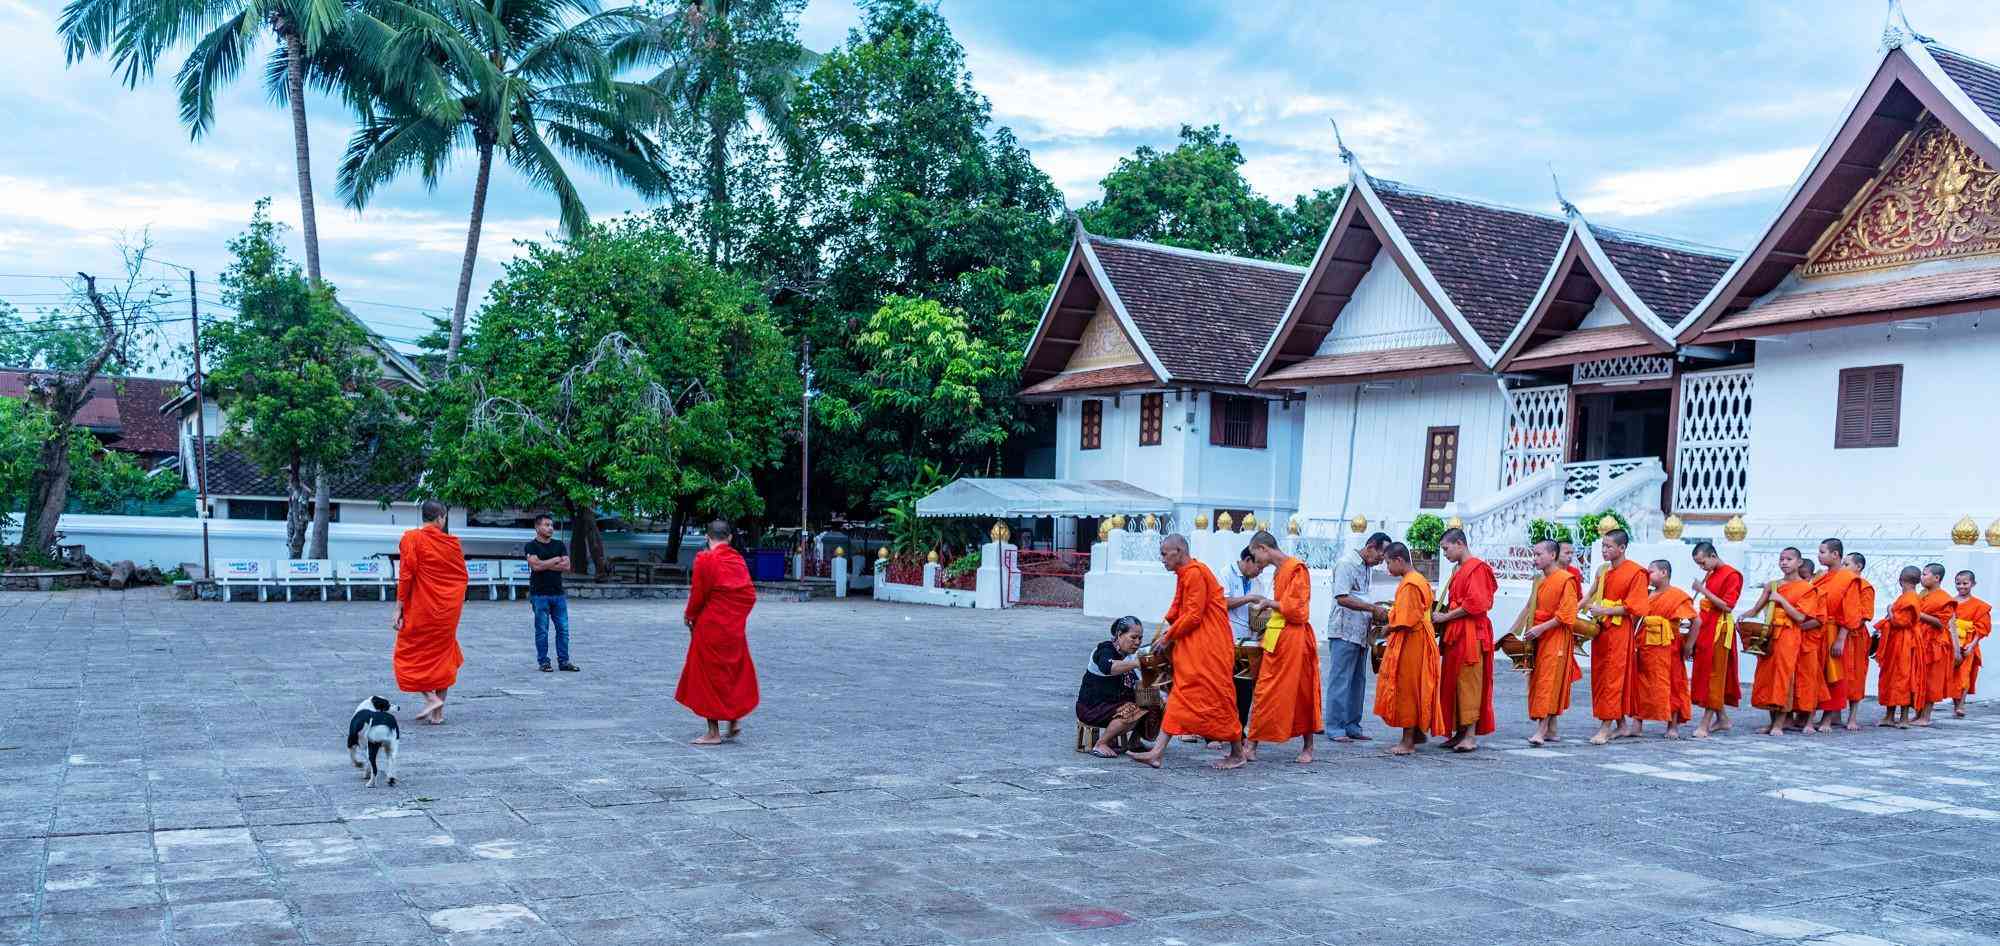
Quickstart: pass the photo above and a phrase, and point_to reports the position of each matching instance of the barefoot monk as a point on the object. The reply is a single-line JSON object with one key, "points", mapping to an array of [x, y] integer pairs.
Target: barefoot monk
{"points": [[1286, 703], [1406, 695], [718, 679], [1465, 678], [1546, 624], [430, 593], [1195, 636], [1713, 685], [1619, 603]]}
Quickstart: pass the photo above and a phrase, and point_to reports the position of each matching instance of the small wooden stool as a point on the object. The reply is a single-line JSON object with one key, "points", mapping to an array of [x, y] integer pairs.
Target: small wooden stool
{"points": [[1087, 736]]}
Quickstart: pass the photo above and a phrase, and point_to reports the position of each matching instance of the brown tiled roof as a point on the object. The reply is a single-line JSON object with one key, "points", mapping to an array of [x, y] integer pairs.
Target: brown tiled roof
{"points": [[1354, 366], [145, 429], [1094, 379], [230, 473], [1489, 260], [1670, 279], [99, 413], [1207, 317], [1584, 345], [1887, 298], [1979, 79]]}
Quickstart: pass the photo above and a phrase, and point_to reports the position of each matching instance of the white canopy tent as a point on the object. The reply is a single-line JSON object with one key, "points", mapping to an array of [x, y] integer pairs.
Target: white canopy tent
{"points": [[1024, 498]]}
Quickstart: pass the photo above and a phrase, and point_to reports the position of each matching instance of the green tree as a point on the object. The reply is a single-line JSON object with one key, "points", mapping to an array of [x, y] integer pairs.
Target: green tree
{"points": [[51, 341], [619, 371], [528, 81], [928, 379], [294, 374]]}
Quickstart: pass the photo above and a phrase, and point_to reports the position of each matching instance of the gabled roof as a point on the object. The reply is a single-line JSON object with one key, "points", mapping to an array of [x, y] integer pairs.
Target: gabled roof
{"points": [[125, 410], [1651, 281], [1911, 81], [1193, 317]]}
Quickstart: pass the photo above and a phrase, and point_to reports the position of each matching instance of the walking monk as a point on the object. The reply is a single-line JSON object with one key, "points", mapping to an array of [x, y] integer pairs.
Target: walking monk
{"points": [[1854, 662], [1406, 695], [1896, 687], [1465, 675], [1936, 652], [1660, 682], [1196, 633], [1619, 602], [1285, 704], [1840, 607], [430, 593], [1714, 685], [1546, 624], [1974, 621], [1566, 554], [1779, 680], [718, 680]]}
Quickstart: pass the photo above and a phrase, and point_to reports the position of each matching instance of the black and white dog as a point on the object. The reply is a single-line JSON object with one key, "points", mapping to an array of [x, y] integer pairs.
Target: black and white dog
{"points": [[374, 723]]}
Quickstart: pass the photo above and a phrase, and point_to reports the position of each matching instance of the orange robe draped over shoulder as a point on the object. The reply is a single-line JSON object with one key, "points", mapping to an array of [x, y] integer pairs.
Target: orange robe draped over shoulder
{"points": [[1611, 654], [1555, 651], [1406, 689], [1660, 688], [430, 588], [1783, 681], [1203, 652], [1285, 704], [1840, 605], [1465, 678], [718, 678], [1975, 621], [1854, 662], [1936, 663], [1714, 684], [1896, 655]]}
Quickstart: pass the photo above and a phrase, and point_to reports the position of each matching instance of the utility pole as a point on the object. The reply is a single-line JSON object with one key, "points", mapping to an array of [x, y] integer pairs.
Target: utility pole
{"points": [[805, 446], [200, 431]]}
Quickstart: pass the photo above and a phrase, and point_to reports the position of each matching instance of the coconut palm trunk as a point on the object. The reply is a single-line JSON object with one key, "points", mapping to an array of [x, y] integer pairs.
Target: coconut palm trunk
{"points": [[295, 96], [471, 248]]}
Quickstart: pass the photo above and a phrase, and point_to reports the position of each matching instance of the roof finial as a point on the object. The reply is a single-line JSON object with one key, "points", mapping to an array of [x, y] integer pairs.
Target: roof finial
{"points": [[1568, 209], [1346, 156], [1896, 28], [1075, 222]]}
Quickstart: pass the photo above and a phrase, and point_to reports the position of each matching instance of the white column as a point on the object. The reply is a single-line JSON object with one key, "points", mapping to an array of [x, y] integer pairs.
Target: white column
{"points": [[931, 574], [839, 572]]}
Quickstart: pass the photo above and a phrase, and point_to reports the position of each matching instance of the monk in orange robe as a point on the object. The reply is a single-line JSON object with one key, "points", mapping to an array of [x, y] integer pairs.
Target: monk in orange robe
{"points": [[430, 593], [1974, 621], [718, 678], [1406, 689], [1195, 633], [1713, 685], [1854, 662], [1936, 664], [1840, 607], [1618, 600], [1896, 686], [1547, 623], [1566, 554], [1779, 680], [1659, 680], [1465, 672], [1285, 704]]}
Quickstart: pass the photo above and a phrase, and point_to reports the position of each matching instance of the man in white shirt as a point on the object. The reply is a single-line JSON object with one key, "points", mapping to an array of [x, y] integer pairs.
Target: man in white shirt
{"points": [[1347, 638], [1246, 591]]}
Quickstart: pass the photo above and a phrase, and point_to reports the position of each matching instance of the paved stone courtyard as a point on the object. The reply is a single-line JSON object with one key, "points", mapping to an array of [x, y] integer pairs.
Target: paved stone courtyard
{"points": [[173, 773]]}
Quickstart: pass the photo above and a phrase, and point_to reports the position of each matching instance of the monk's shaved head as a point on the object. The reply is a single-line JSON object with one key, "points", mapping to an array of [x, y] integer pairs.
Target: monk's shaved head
{"points": [[1263, 539], [1832, 545], [1550, 546], [720, 531], [1397, 552], [1664, 567], [1452, 536], [1806, 568], [1860, 561], [1936, 570], [1618, 538], [1910, 575], [1704, 550], [1174, 540], [433, 511]]}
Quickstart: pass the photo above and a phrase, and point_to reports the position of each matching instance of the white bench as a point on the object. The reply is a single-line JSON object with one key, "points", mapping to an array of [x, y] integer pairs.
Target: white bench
{"points": [[483, 573], [515, 577], [307, 573], [366, 572], [232, 573]]}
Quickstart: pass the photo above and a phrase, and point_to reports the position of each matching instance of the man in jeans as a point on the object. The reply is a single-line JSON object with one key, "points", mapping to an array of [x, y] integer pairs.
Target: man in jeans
{"points": [[1347, 639], [548, 558]]}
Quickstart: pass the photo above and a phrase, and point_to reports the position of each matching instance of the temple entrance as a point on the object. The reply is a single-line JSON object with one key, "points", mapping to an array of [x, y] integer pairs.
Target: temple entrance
{"points": [[1622, 423]]}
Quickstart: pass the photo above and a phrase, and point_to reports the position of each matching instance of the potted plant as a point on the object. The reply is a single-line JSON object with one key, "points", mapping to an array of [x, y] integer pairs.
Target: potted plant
{"points": [[1541, 529], [1586, 525], [1422, 537]]}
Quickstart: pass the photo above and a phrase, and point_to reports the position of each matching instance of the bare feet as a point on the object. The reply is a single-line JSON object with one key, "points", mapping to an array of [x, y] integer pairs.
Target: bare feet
{"points": [[732, 732], [1470, 745], [1673, 732], [1887, 720], [1402, 749], [1700, 732], [1535, 740], [1232, 761], [1600, 739], [1149, 759], [707, 739], [1305, 757], [1103, 751], [1958, 713], [1853, 726]]}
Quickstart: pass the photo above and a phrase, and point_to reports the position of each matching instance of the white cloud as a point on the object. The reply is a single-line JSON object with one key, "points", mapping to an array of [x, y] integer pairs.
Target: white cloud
{"points": [[1652, 190]]}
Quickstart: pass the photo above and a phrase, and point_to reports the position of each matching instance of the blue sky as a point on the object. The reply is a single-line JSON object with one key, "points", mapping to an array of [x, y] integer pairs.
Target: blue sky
{"points": [[1687, 119]]}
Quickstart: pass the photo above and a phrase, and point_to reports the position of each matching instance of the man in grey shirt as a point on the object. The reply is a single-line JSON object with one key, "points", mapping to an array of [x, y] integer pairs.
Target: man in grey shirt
{"points": [[1347, 638]]}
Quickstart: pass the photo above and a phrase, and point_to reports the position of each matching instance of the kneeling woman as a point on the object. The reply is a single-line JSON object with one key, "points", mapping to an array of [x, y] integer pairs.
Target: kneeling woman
{"points": [[1108, 698]]}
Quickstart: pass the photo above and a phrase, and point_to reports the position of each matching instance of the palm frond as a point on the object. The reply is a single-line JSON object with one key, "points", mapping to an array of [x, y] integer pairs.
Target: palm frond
{"points": [[215, 60], [528, 154], [386, 147]]}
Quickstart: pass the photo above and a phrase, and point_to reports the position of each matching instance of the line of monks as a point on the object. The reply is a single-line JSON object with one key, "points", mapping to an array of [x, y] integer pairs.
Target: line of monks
{"points": [[1656, 651]]}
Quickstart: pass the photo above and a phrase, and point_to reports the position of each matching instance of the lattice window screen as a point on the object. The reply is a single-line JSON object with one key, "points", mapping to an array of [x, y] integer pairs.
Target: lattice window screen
{"points": [[1628, 368], [1537, 424], [1712, 464]]}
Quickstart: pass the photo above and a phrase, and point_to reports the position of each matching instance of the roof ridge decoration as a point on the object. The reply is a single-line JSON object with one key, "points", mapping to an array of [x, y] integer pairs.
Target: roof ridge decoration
{"points": [[1198, 254], [1569, 210], [1896, 28], [1082, 260]]}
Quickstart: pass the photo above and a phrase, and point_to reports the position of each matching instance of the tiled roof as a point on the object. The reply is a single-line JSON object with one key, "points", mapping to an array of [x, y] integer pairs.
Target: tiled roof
{"points": [[1671, 280], [145, 429], [230, 473], [1206, 316], [1583, 345], [1883, 297], [1092, 380], [99, 413], [1490, 260], [1427, 359], [1979, 79]]}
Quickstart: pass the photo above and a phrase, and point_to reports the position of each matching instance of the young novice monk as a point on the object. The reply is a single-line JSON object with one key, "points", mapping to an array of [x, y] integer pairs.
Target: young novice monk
{"points": [[1840, 606], [1661, 684], [1286, 702], [1619, 603], [1406, 689], [1854, 663], [1779, 681], [1465, 671], [1714, 686], [1546, 624], [1975, 621], [1935, 651], [1896, 686]]}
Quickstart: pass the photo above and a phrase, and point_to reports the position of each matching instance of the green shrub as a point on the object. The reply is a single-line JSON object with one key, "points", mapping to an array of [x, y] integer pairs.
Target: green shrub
{"points": [[1541, 529], [1587, 524], [1423, 534], [963, 565]]}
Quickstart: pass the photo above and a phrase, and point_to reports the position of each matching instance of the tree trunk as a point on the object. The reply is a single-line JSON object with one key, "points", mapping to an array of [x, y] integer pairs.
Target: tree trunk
{"points": [[471, 250], [586, 542], [680, 521], [720, 215], [48, 492], [295, 93], [322, 512], [298, 504]]}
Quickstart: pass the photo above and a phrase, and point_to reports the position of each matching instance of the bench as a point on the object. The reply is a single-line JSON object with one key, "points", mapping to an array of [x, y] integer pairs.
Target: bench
{"points": [[232, 573], [307, 573], [483, 573], [366, 572]]}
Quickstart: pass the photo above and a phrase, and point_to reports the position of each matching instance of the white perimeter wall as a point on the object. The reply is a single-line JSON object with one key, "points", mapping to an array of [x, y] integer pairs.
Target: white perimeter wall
{"points": [[1388, 429], [1184, 466]]}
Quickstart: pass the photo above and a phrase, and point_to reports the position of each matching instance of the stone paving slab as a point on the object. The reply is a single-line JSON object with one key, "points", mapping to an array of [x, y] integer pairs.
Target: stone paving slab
{"points": [[172, 774]]}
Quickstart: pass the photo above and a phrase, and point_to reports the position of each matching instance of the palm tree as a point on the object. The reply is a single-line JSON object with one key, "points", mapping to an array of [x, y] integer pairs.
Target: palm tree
{"points": [[137, 33], [527, 79]]}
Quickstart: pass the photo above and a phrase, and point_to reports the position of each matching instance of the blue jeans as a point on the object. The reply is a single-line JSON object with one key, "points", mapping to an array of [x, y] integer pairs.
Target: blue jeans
{"points": [[1345, 684], [551, 608]]}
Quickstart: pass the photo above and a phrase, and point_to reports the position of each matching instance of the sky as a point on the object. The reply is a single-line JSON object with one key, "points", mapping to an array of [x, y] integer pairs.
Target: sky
{"points": [[1685, 119]]}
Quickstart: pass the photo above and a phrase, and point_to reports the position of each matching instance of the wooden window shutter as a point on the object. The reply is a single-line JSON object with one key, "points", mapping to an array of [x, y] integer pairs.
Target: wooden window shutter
{"points": [[1218, 418], [1260, 422], [1868, 409], [1093, 425], [1885, 406], [1440, 467], [1152, 408]]}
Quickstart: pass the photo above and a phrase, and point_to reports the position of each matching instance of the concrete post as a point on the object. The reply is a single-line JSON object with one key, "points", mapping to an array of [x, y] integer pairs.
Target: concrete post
{"points": [[931, 574], [839, 572]]}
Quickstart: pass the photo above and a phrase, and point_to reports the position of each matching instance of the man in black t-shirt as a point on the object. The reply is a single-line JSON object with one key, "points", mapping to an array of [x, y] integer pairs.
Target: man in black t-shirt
{"points": [[548, 558]]}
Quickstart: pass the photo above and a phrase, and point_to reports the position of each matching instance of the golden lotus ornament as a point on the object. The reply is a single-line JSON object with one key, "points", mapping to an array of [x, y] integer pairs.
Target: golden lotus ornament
{"points": [[1735, 530], [1964, 532], [931, 556], [1673, 527], [1292, 525], [1249, 522], [1454, 523], [1225, 523], [1200, 521], [1000, 532], [1993, 533], [1103, 530], [1152, 523], [1358, 524]]}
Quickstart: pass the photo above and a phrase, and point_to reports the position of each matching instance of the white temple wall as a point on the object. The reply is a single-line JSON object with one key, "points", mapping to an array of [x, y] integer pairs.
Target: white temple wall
{"points": [[1199, 476], [1388, 427]]}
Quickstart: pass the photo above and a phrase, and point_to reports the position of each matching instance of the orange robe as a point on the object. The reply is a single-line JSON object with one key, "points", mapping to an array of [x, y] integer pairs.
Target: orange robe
{"points": [[1975, 621], [1660, 684], [1936, 663], [1285, 704], [1465, 672], [1840, 603], [1854, 662], [1555, 651], [1611, 654], [1714, 684], [1203, 700], [430, 589], [1406, 689], [1897, 653], [1783, 681]]}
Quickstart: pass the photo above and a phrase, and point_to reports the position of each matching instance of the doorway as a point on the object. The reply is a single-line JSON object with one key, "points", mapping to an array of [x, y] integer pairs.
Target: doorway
{"points": [[1621, 424]]}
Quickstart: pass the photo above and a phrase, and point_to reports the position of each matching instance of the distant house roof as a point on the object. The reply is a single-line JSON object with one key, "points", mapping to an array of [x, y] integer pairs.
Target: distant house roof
{"points": [[230, 473], [1039, 497], [124, 411]]}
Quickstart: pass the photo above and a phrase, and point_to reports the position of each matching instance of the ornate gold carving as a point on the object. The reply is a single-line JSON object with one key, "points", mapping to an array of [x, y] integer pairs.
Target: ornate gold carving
{"points": [[1735, 530], [1292, 526], [1103, 344], [1357, 524], [1993, 533], [1249, 522], [1964, 532], [1939, 198], [1225, 523], [1673, 527], [1454, 523], [1000, 532]]}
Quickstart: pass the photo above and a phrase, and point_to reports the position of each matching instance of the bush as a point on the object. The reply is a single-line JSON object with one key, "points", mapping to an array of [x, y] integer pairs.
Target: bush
{"points": [[1541, 529], [1424, 533], [1587, 524], [963, 565]]}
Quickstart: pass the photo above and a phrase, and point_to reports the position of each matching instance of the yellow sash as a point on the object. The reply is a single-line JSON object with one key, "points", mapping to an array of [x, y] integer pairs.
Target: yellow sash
{"points": [[1274, 626], [1725, 630], [1527, 618], [1959, 628], [1658, 631]]}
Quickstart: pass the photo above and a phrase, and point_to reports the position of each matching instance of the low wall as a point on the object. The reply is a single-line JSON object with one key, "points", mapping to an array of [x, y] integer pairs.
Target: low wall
{"points": [[917, 594]]}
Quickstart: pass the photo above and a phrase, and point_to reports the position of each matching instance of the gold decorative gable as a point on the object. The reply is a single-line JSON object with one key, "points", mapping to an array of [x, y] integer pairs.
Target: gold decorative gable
{"points": [[1103, 345], [1938, 199]]}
